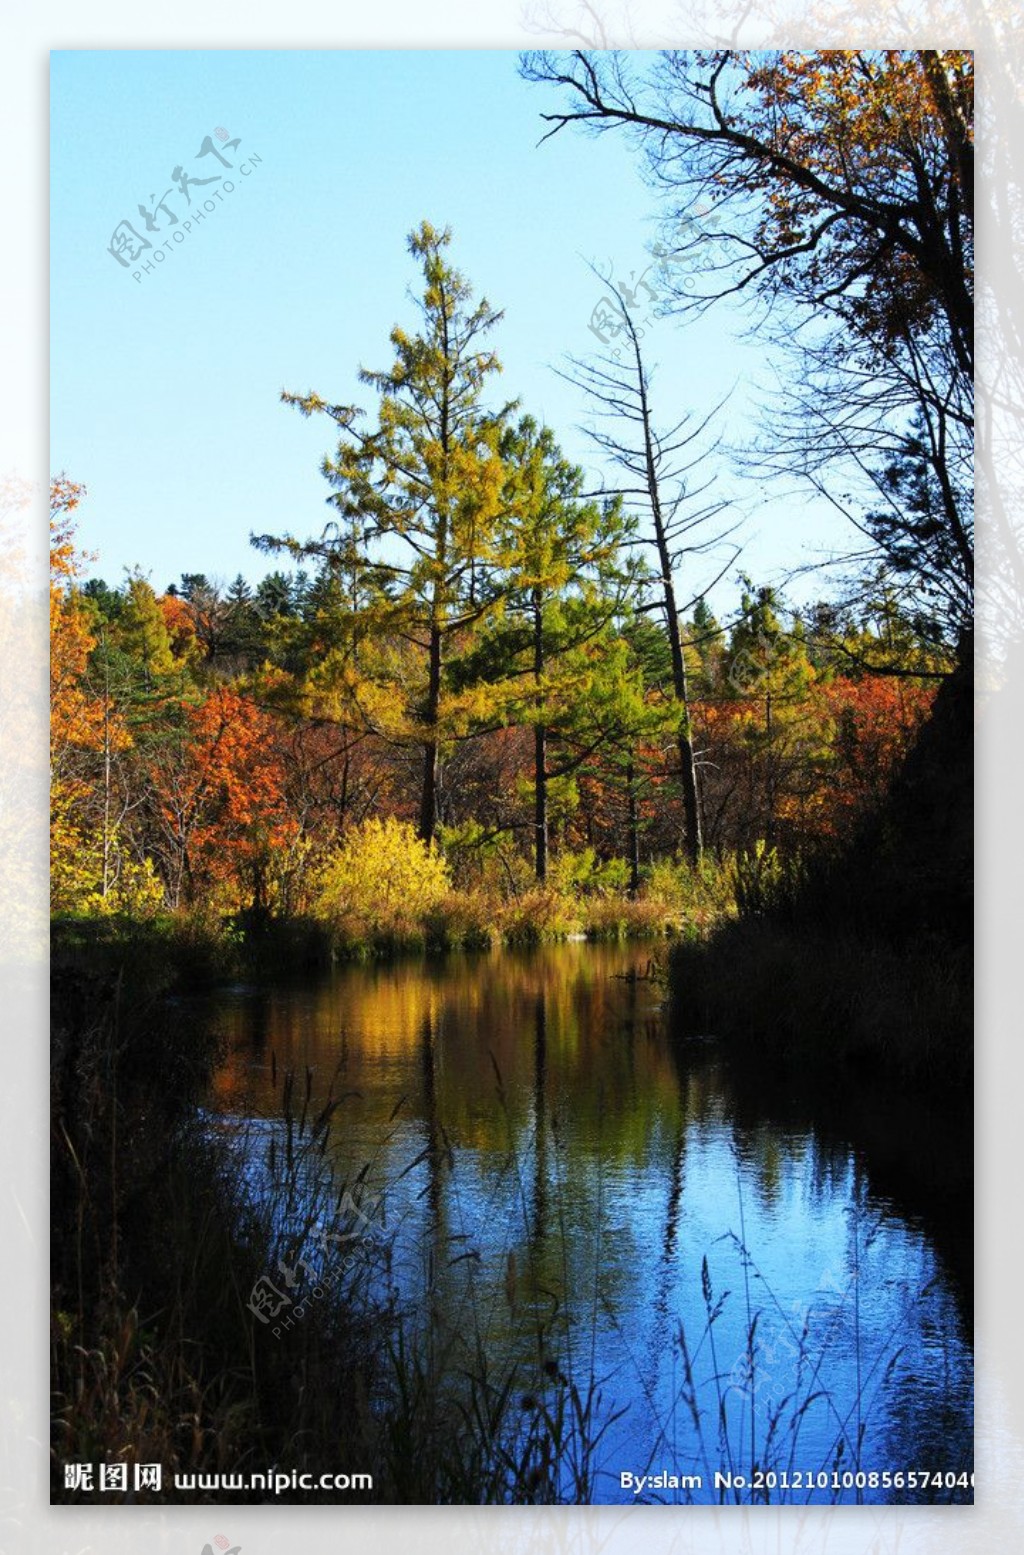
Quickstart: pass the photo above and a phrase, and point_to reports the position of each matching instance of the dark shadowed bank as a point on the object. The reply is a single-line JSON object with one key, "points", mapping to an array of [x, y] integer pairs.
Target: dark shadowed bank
{"points": [[859, 960], [844, 988]]}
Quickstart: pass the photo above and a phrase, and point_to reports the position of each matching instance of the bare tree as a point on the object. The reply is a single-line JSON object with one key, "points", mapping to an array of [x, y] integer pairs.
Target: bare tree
{"points": [[666, 480], [834, 192]]}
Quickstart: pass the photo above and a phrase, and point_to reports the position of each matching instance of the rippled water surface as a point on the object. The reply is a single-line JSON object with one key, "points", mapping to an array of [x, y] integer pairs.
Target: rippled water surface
{"points": [[564, 1191]]}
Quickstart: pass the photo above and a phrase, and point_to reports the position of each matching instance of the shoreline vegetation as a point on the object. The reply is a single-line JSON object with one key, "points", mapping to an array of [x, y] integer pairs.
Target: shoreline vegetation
{"points": [[190, 950], [860, 959]]}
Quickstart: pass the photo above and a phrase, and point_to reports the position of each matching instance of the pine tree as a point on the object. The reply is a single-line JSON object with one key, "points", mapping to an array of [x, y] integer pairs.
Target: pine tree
{"points": [[141, 629], [567, 581]]}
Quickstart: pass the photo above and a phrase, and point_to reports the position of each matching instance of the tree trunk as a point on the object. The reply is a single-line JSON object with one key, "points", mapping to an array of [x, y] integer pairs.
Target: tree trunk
{"points": [[687, 761], [540, 750], [687, 764], [540, 801], [428, 793], [634, 832]]}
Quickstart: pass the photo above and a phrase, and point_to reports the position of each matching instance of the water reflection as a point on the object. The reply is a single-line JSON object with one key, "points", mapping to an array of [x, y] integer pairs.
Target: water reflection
{"points": [[566, 1192]]}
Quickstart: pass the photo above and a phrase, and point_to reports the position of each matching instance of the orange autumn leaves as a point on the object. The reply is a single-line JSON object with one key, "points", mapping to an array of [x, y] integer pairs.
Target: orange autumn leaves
{"points": [[187, 781], [76, 721], [869, 183], [826, 759], [219, 793], [207, 767]]}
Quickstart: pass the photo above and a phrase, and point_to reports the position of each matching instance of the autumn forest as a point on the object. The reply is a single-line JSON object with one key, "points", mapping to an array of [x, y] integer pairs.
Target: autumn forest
{"points": [[212, 748]]}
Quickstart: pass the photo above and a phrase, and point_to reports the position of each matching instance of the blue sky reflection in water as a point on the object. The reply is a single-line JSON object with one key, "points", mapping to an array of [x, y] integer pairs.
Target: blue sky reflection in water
{"points": [[603, 1192]]}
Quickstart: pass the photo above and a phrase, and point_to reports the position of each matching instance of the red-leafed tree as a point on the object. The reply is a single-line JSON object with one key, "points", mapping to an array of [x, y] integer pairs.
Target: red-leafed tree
{"points": [[218, 801]]}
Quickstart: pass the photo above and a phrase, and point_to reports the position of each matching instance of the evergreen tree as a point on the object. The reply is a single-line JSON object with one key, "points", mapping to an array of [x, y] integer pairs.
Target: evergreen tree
{"points": [[419, 499], [141, 629], [274, 596], [567, 582]]}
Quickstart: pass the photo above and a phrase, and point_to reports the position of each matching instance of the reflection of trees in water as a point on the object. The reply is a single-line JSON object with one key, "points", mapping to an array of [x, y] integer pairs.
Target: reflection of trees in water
{"points": [[578, 1047], [540, 1153], [432, 1132], [904, 1149], [562, 1211]]}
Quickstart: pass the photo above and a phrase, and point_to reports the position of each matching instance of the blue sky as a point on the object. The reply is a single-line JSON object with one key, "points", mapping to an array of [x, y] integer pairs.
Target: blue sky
{"points": [[165, 389]]}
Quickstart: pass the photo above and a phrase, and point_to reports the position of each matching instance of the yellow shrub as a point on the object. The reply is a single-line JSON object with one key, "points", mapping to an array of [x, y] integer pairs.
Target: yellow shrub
{"points": [[382, 880]]}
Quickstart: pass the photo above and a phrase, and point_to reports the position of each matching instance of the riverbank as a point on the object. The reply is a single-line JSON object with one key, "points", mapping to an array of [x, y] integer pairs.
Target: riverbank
{"points": [[828, 1004], [193, 949]]}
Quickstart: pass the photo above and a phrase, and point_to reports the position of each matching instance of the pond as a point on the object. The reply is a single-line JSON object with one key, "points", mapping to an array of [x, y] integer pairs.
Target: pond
{"points": [[723, 1294]]}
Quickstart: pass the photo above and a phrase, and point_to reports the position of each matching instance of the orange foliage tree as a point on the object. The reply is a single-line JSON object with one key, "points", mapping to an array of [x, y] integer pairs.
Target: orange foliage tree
{"points": [[74, 720], [95, 866], [830, 759], [218, 792], [870, 724]]}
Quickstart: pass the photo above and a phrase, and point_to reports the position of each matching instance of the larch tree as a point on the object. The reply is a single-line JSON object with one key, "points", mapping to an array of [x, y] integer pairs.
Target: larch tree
{"points": [[141, 629], [419, 496], [567, 579]]}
